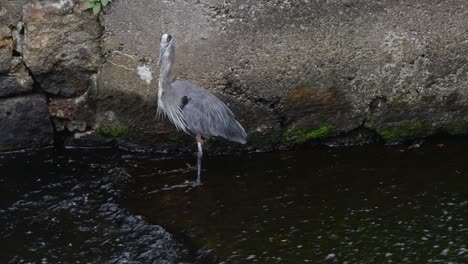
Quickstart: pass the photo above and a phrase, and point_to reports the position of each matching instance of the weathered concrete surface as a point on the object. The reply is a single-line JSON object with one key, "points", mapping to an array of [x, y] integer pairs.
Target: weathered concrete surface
{"points": [[24, 123], [61, 46], [297, 70]]}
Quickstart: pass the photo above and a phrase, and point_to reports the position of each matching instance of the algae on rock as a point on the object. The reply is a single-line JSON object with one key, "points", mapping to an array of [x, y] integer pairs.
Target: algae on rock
{"points": [[300, 135]]}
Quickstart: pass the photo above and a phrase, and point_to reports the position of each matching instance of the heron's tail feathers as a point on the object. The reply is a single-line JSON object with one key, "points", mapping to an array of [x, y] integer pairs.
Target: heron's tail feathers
{"points": [[237, 134]]}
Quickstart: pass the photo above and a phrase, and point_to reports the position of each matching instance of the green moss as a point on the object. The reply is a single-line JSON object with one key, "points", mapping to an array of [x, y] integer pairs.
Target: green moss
{"points": [[456, 128], [299, 136], [113, 131], [405, 131]]}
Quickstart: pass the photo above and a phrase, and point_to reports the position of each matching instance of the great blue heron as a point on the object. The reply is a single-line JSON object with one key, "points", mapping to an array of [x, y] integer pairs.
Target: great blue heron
{"points": [[193, 109]]}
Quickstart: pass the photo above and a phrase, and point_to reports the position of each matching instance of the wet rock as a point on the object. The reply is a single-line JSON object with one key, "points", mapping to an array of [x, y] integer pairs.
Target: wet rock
{"points": [[73, 114], [58, 124], [61, 46], [358, 136], [8, 85], [17, 81], [24, 123], [76, 125]]}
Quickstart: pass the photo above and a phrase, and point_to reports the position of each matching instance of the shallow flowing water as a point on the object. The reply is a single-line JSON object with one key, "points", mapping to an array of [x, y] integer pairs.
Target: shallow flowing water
{"points": [[371, 204], [66, 210]]}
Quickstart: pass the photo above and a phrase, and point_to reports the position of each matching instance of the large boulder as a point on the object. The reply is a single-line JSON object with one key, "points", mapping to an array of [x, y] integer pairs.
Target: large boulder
{"points": [[24, 123], [61, 46], [301, 70]]}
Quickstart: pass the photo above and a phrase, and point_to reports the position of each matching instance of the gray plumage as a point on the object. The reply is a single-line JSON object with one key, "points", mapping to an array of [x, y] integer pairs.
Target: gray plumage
{"points": [[203, 113], [191, 108]]}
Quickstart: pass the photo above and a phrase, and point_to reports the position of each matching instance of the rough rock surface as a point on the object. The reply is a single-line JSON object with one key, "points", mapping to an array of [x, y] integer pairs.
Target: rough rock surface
{"points": [[6, 49], [17, 81], [72, 114], [14, 76], [61, 46], [24, 123], [299, 70], [10, 11]]}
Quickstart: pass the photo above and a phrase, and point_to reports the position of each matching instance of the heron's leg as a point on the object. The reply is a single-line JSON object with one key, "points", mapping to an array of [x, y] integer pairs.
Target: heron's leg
{"points": [[200, 155]]}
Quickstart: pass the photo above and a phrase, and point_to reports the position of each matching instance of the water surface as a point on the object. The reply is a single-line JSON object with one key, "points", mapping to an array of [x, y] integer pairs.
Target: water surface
{"points": [[371, 204], [65, 209]]}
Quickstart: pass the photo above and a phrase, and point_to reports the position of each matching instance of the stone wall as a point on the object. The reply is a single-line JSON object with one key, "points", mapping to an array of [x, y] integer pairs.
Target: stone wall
{"points": [[24, 119], [49, 53], [292, 71]]}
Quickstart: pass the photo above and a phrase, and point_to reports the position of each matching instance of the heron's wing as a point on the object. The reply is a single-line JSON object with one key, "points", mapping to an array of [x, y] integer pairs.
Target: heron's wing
{"points": [[205, 114]]}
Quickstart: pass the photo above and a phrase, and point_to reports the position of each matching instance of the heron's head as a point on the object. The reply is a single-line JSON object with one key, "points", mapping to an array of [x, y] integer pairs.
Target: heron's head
{"points": [[166, 42]]}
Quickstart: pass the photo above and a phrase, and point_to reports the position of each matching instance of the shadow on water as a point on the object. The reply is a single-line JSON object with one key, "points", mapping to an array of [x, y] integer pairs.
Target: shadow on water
{"points": [[65, 209], [371, 204]]}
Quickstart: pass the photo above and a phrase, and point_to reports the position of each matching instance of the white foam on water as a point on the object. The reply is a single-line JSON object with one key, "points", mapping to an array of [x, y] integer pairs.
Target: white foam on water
{"points": [[330, 256]]}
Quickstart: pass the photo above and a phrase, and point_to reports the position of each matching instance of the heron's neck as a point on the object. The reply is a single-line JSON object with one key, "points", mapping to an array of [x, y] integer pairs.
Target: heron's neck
{"points": [[165, 76]]}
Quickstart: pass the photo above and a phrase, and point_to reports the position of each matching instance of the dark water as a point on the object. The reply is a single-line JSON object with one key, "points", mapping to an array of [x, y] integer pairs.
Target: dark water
{"points": [[66, 210], [372, 204]]}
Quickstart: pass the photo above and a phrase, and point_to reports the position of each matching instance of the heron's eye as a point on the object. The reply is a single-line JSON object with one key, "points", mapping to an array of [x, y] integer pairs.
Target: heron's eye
{"points": [[168, 38]]}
